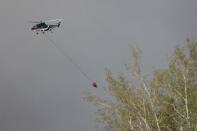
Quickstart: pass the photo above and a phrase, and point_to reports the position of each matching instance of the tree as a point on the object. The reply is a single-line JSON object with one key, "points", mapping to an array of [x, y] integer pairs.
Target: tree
{"points": [[167, 101]]}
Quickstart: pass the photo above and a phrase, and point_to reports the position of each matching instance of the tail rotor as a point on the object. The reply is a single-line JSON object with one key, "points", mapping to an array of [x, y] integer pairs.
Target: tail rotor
{"points": [[58, 25]]}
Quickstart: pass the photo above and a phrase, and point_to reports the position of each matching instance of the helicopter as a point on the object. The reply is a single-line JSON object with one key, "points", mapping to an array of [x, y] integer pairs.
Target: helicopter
{"points": [[45, 26]]}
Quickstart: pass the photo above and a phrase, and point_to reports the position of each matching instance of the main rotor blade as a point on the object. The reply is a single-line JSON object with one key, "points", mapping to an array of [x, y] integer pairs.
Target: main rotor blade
{"points": [[56, 20], [37, 22]]}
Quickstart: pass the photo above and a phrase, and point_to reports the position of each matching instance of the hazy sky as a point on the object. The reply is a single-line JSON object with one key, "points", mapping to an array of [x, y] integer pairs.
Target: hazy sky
{"points": [[40, 90]]}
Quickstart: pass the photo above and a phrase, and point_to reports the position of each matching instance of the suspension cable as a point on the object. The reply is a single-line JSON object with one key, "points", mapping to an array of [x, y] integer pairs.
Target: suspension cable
{"points": [[66, 55]]}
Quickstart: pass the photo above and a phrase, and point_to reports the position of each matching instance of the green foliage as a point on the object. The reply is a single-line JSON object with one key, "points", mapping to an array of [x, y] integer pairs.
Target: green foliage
{"points": [[165, 102]]}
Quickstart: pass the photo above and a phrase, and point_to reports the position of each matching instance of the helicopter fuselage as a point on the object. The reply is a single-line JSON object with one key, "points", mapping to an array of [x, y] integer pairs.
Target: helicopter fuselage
{"points": [[44, 27]]}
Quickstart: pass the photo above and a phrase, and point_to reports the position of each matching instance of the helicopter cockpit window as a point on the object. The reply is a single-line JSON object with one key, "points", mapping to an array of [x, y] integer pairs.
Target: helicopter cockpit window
{"points": [[39, 26]]}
